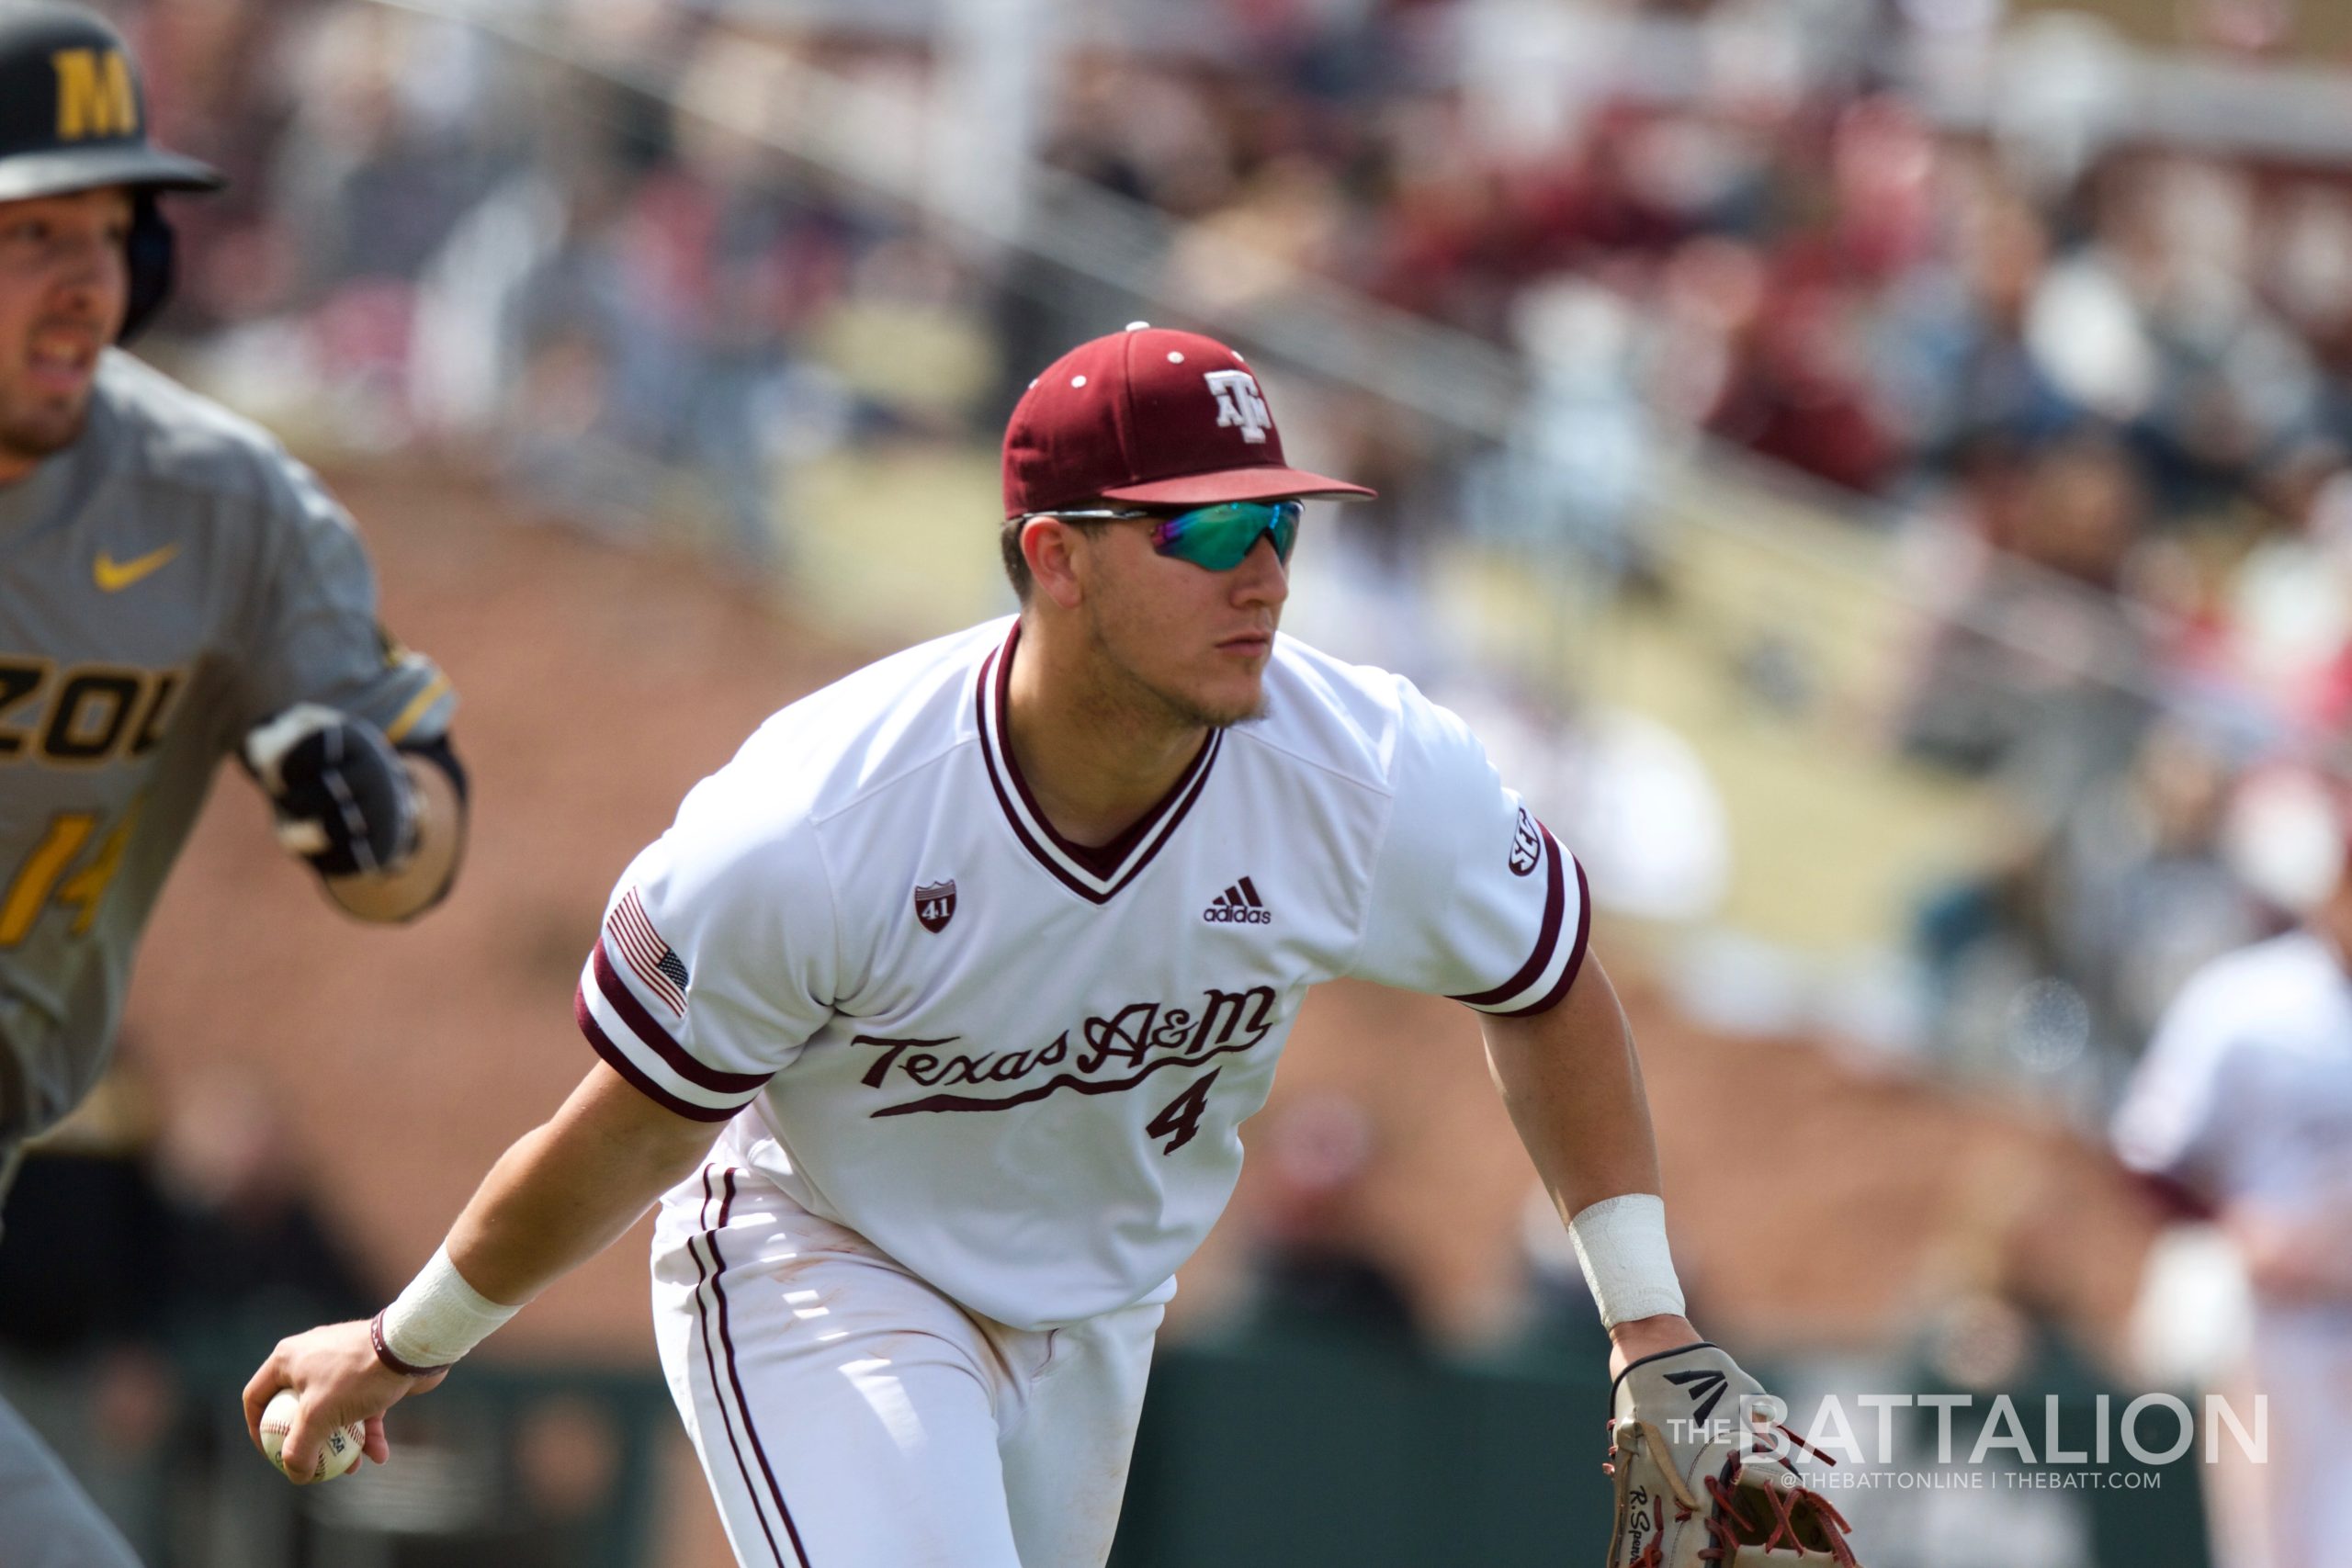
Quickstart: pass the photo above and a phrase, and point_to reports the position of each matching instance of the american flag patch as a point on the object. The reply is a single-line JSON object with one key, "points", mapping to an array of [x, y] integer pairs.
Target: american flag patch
{"points": [[647, 957]]}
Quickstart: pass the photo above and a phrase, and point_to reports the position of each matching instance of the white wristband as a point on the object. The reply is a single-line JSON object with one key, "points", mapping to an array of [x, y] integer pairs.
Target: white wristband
{"points": [[436, 1320], [1621, 1242]]}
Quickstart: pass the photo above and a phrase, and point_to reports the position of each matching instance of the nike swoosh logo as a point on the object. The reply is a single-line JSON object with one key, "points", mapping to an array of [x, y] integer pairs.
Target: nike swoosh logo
{"points": [[114, 576]]}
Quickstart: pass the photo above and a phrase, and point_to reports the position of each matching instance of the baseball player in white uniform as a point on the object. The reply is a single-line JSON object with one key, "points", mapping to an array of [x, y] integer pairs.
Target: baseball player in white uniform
{"points": [[2241, 1110], [974, 963]]}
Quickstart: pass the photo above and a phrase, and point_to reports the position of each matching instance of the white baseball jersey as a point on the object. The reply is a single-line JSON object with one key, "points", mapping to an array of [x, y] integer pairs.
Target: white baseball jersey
{"points": [[2245, 1096], [2245, 1092], [1016, 1064]]}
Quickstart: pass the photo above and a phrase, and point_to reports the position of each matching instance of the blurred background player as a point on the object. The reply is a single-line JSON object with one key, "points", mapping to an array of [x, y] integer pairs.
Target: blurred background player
{"points": [[2241, 1111], [173, 588]]}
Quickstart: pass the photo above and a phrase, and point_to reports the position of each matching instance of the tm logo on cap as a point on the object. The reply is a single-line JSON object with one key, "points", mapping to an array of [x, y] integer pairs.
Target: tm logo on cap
{"points": [[1238, 402]]}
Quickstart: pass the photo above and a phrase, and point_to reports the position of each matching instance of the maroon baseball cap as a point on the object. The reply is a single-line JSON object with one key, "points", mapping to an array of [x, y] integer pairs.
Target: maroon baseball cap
{"points": [[1157, 417]]}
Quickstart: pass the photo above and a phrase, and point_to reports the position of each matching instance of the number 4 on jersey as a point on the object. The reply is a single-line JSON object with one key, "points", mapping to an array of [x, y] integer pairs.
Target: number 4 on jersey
{"points": [[1181, 1117]]}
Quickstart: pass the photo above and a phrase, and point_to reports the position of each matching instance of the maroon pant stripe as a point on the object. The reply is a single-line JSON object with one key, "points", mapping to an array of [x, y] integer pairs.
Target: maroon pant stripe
{"points": [[727, 1340], [702, 1315]]}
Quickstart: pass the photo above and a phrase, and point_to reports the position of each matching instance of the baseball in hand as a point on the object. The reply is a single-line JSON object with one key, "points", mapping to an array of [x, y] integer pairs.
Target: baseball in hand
{"points": [[338, 1454]]}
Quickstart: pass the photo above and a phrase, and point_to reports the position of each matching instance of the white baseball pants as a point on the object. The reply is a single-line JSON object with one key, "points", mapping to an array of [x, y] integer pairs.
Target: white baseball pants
{"points": [[2294, 1510], [849, 1415]]}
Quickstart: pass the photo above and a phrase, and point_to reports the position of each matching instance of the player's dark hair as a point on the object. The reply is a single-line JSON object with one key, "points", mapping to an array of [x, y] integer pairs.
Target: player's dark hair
{"points": [[1016, 565]]}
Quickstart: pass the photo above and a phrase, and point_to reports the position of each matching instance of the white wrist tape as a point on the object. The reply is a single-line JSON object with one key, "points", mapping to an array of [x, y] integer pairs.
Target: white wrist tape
{"points": [[1621, 1242], [439, 1317]]}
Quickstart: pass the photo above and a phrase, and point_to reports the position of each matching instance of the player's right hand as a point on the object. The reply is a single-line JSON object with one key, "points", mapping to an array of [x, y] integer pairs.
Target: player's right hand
{"points": [[344, 799], [336, 1372]]}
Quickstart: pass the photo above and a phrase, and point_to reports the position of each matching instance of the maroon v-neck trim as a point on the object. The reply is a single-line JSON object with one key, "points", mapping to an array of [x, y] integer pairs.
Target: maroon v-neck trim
{"points": [[1095, 873], [1103, 860]]}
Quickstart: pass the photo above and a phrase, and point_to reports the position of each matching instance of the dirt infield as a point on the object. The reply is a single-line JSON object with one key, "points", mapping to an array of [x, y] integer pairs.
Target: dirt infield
{"points": [[1811, 1203]]}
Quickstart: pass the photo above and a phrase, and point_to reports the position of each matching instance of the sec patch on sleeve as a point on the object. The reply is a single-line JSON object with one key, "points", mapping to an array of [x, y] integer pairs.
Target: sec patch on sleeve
{"points": [[1526, 846]]}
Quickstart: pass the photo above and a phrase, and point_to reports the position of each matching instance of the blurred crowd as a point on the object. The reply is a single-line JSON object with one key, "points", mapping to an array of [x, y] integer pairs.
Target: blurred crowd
{"points": [[156, 1245], [2106, 403], [2102, 396]]}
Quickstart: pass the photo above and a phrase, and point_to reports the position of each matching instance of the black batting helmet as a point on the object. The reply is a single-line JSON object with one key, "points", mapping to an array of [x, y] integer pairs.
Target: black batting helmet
{"points": [[73, 118]]}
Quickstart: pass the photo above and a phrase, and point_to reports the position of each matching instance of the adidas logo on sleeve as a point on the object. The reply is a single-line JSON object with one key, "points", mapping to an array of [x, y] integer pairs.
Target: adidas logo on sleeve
{"points": [[1238, 906]]}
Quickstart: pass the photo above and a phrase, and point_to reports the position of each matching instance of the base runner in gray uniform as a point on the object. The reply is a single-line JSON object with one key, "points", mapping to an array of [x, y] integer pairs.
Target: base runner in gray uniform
{"points": [[174, 589]]}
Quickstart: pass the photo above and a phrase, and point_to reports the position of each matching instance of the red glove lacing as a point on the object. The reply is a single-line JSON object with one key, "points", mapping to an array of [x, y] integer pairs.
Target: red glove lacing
{"points": [[1724, 1519]]}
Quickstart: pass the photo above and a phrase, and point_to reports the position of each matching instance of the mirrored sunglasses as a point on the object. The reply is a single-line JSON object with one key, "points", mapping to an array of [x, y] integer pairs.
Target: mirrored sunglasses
{"points": [[1219, 536]]}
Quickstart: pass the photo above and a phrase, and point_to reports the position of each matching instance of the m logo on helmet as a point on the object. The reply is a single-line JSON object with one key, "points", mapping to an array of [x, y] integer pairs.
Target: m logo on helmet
{"points": [[1238, 402], [94, 96]]}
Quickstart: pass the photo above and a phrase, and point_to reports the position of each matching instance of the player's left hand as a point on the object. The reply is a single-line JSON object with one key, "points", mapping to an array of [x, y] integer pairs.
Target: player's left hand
{"points": [[344, 800], [341, 1382], [1702, 1471]]}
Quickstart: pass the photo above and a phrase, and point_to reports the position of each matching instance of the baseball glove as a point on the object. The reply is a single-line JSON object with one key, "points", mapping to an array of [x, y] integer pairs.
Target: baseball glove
{"points": [[1702, 1473]]}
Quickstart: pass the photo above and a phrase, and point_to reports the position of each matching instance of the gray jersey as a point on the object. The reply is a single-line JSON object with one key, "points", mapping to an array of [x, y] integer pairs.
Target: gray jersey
{"points": [[166, 582]]}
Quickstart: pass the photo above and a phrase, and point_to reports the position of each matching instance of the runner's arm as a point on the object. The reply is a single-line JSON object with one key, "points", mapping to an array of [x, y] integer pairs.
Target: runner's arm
{"points": [[424, 877]]}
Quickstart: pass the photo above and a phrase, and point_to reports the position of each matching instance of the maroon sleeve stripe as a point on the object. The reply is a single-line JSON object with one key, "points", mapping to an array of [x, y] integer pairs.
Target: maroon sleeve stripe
{"points": [[1546, 937], [1550, 999], [657, 1039], [618, 1061]]}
